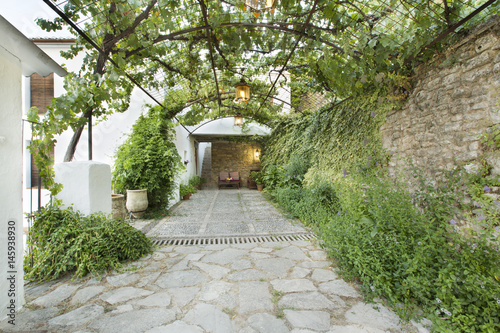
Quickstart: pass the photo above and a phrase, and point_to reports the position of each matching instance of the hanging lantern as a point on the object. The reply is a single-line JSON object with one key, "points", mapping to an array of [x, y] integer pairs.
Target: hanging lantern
{"points": [[238, 120], [242, 92], [261, 5]]}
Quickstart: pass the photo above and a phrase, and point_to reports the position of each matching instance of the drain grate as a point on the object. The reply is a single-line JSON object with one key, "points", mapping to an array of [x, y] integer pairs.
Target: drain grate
{"points": [[216, 240]]}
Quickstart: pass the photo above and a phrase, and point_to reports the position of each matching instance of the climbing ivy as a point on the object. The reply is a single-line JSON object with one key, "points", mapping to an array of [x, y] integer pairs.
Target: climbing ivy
{"points": [[401, 244], [166, 45], [148, 158], [334, 141]]}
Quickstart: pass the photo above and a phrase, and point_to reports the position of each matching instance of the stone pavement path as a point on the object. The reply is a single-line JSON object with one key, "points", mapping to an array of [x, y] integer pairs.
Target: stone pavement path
{"points": [[273, 287], [224, 212]]}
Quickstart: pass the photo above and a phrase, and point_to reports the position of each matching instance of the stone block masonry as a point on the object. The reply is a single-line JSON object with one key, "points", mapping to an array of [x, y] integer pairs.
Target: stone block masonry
{"points": [[455, 99], [234, 156]]}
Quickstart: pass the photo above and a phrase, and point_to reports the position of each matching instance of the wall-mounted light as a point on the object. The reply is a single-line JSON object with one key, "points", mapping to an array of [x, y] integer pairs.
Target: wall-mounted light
{"points": [[257, 154], [242, 92], [238, 120]]}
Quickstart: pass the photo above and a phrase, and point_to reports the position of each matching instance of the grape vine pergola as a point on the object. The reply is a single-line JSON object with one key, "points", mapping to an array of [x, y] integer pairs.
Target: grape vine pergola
{"points": [[196, 51]]}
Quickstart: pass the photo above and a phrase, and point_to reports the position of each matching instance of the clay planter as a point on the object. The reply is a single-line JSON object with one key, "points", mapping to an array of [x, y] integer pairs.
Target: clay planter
{"points": [[260, 187], [137, 202], [118, 206], [186, 197]]}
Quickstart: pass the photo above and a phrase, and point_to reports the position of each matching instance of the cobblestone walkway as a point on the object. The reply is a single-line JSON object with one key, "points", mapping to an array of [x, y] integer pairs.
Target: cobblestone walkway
{"points": [[269, 287], [224, 212]]}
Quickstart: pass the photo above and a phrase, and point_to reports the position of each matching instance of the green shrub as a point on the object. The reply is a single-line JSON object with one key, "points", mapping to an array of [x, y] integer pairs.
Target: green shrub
{"points": [[398, 237], [273, 176], [295, 170], [64, 241], [257, 177], [148, 158], [196, 181], [186, 189], [412, 257]]}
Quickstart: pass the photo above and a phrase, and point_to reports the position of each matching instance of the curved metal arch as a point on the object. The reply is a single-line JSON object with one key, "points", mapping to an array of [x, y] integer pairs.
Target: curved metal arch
{"points": [[211, 120], [228, 93]]}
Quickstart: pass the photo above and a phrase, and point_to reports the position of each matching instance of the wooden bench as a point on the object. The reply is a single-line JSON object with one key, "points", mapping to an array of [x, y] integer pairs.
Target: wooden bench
{"points": [[234, 176]]}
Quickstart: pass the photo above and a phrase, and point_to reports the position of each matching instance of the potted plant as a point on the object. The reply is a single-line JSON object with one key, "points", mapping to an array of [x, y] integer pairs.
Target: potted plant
{"points": [[186, 191], [196, 182], [258, 178]]}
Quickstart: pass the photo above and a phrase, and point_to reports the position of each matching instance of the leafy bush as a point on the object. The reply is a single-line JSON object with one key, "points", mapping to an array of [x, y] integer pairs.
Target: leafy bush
{"points": [[273, 176], [295, 170], [186, 189], [64, 241], [397, 237], [375, 234], [148, 158], [257, 177], [196, 181]]}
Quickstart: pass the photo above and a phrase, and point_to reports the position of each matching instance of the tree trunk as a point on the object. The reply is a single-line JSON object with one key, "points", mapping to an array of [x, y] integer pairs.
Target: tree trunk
{"points": [[70, 151]]}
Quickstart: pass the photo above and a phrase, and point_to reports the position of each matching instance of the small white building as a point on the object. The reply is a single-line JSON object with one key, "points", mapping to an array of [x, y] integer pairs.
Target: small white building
{"points": [[18, 57]]}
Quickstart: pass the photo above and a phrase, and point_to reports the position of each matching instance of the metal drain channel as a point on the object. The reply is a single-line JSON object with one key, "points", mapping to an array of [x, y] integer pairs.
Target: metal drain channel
{"points": [[216, 240]]}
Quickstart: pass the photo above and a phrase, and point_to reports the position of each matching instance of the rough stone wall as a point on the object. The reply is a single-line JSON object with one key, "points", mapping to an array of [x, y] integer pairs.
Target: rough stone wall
{"points": [[232, 156], [453, 102]]}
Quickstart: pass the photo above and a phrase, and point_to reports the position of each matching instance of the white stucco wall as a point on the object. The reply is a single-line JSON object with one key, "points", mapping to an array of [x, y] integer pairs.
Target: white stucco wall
{"points": [[10, 178], [18, 57], [86, 186], [201, 155], [185, 146]]}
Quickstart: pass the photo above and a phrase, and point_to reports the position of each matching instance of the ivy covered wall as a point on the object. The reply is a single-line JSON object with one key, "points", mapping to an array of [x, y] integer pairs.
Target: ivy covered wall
{"points": [[330, 143], [455, 99]]}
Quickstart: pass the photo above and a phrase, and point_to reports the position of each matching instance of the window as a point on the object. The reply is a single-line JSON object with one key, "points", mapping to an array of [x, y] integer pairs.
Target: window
{"points": [[41, 91], [41, 94]]}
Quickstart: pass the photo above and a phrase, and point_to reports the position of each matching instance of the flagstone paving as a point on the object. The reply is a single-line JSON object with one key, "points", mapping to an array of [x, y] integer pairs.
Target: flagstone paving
{"points": [[224, 212], [269, 287]]}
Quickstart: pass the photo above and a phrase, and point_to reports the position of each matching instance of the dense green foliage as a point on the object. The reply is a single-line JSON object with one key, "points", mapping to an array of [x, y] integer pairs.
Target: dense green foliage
{"points": [[148, 158], [257, 177], [186, 189], [399, 244], [64, 241], [346, 137], [203, 48], [375, 235], [196, 181]]}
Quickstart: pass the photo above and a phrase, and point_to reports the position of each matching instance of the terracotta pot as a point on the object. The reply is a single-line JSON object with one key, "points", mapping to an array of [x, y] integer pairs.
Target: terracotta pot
{"points": [[137, 202], [186, 197], [118, 206], [260, 187]]}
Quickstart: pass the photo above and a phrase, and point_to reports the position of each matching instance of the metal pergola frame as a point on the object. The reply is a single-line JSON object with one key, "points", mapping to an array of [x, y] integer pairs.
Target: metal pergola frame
{"points": [[304, 31]]}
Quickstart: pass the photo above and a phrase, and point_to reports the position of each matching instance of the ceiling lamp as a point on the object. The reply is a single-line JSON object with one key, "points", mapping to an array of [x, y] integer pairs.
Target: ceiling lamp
{"points": [[242, 92], [238, 120]]}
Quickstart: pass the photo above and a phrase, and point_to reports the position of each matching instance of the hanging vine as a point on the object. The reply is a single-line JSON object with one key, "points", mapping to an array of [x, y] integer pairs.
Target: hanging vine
{"points": [[346, 49]]}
